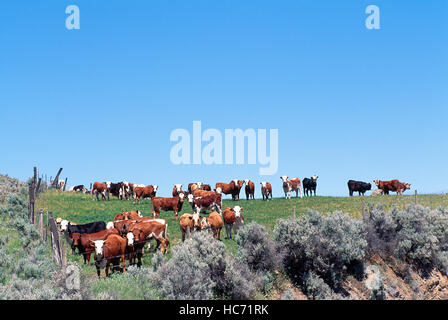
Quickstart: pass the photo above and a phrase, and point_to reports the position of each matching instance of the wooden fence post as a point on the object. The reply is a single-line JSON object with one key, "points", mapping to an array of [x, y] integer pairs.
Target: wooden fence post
{"points": [[65, 185], [41, 223], [55, 240], [56, 179]]}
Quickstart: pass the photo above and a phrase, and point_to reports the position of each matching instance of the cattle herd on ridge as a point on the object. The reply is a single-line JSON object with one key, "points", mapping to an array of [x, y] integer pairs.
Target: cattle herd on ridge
{"points": [[124, 238]]}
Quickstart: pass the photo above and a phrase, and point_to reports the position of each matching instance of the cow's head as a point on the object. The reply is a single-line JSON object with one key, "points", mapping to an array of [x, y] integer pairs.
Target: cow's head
{"points": [[314, 178], [108, 184], [238, 216], [204, 223], [218, 190], [263, 184], [190, 198], [64, 225], [240, 184], [197, 221], [377, 182], [181, 197], [98, 245], [237, 210], [130, 238], [155, 188], [284, 178], [407, 186], [246, 181], [369, 186], [76, 237], [110, 225], [178, 187]]}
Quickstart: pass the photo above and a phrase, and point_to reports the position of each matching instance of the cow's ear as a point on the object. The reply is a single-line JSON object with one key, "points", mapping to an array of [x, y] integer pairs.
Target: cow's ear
{"points": [[91, 243]]}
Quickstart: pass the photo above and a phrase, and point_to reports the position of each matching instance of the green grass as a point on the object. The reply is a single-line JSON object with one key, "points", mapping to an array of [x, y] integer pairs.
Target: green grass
{"points": [[80, 208]]}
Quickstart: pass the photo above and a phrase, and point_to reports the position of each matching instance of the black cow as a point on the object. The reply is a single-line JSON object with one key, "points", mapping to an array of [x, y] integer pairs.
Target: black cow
{"points": [[92, 227], [310, 185], [359, 186], [79, 188], [117, 190]]}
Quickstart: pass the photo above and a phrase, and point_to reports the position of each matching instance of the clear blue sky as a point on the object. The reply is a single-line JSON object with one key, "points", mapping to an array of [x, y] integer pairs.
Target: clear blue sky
{"points": [[349, 103]]}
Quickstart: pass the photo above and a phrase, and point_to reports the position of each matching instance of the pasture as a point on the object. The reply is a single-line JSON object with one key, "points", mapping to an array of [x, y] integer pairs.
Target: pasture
{"points": [[81, 209]]}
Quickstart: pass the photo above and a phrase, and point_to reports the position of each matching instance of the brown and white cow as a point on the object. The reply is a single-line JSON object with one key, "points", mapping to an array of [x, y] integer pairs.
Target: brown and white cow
{"points": [[226, 188], [392, 185], [145, 231], [112, 250], [189, 223], [100, 188], [145, 192], [291, 185], [233, 219], [82, 241], [214, 223], [266, 190], [167, 204], [250, 189], [207, 202]]}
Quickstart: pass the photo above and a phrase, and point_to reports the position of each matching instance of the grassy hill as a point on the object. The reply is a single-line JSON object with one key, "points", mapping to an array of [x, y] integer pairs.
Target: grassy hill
{"points": [[81, 209]]}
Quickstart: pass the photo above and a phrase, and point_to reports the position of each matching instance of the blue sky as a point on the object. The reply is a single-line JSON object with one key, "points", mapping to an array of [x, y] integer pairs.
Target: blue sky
{"points": [[349, 103]]}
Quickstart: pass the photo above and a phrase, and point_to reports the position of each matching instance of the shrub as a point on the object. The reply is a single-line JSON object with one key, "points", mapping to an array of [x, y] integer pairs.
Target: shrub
{"points": [[200, 269], [316, 289], [376, 284], [257, 249], [329, 246]]}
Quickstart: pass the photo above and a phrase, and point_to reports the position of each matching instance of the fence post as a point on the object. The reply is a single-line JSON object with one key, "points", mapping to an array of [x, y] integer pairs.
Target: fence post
{"points": [[55, 240], [41, 223], [416, 201], [294, 212], [65, 184]]}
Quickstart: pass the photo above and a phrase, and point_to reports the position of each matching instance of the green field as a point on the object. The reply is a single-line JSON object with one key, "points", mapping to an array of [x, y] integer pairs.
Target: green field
{"points": [[80, 208]]}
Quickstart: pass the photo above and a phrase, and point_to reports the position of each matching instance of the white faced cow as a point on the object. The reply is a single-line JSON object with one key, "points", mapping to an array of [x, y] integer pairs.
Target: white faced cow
{"points": [[291, 185]]}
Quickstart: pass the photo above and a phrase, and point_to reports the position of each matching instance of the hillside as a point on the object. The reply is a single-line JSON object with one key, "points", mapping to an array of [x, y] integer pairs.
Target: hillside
{"points": [[9, 185]]}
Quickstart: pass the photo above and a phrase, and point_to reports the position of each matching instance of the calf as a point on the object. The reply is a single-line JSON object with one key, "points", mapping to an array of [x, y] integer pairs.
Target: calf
{"points": [[401, 187], [82, 241], [291, 185], [79, 188], [377, 192], [109, 251], [100, 188], [167, 204], [309, 185], [201, 204], [250, 189], [358, 186], [128, 189], [146, 192], [67, 226], [266, 190], [189, 223], [233, 219], [117, 190], [214, 223]]}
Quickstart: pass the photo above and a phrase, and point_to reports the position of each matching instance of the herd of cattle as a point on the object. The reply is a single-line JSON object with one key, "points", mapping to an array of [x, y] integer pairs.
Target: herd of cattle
{"points": [[124, 238]]}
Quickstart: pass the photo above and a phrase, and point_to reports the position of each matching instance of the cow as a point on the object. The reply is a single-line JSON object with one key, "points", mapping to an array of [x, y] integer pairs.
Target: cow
{"points": [[214, 223], [191, 187], [177, 189], [145, 231], [100, 188], [79, 188], [61, 185], [291, 185], [392, 185], [67, 226], [401, 187], [167, 204], [250, 189], [117, 190], [201, 204], [233, 219], [358, 186], [109, 251], [82, 241], [206, 187], [128, 189], [266, 190], [309, 185], [189, 223], [146, 192], [377, 192], [236, 192], [227, 188]]}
